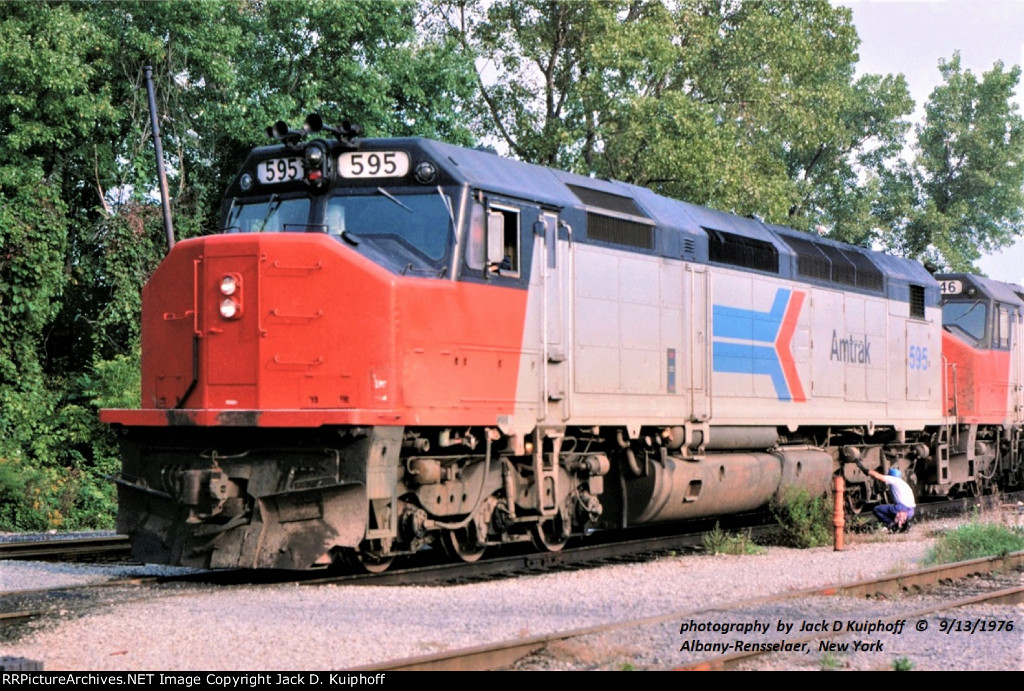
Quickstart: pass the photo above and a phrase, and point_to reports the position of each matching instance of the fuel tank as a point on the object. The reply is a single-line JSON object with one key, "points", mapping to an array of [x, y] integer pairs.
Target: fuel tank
{"points": [[721, 483]]}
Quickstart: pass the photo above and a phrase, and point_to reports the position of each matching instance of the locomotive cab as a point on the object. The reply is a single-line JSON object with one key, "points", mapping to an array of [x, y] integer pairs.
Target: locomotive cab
{"points": [[397, 212], [982, 342]]}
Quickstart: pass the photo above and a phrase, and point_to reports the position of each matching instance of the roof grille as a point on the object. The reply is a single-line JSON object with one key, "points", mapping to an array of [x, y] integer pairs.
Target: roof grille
{"points": [[845, 266], [738, 250], [619, 231], [609, 202], [917, 301]]}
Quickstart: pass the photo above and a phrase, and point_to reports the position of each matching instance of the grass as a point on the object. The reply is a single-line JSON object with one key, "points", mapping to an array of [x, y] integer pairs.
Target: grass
{"points": [[804, 520], [719, 541], [830, 661], [974, 541], [902, 664]]}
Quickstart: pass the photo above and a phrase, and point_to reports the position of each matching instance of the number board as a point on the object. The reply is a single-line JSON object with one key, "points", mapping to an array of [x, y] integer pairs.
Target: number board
{"points": [[275, 170], [951, 287], [373, 164]]}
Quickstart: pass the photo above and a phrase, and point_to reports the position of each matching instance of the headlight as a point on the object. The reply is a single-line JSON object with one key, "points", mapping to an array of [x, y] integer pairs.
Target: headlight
{"points": [[316, 164], [425, 172], [228, 285], [229, 309]]}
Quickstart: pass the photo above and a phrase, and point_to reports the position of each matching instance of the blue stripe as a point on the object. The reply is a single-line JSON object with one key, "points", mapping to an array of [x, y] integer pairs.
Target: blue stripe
{"points": [[763, 327], [754, 327], [741, 358]]}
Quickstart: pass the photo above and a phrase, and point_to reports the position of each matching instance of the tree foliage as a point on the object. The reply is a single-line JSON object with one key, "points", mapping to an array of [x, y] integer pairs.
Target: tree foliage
{"points": [[749, 107], [79, 227], [964, 192]]}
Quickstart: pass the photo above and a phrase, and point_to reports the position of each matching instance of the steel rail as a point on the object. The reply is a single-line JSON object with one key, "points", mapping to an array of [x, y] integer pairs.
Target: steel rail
{"points": [[504, 653], [65, 549], [1006, 596], [117, 546]]}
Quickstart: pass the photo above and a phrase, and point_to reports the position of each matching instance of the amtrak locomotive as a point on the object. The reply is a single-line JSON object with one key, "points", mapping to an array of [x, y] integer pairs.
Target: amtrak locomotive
{"points": [[397, 343]]}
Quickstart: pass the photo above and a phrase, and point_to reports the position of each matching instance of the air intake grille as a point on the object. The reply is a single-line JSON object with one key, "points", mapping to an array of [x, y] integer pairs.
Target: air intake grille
{"points": [[845, 266], [737, 250], [606, 201], [917, 301], [620, 231]]}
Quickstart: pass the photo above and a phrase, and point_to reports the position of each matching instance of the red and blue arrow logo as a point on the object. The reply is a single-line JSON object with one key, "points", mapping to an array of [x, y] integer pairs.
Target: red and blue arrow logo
{"points": [[738, 336]]}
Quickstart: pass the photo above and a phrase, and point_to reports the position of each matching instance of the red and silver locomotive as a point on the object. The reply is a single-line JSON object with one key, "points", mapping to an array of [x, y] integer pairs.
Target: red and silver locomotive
{"points": [[397, 343]]}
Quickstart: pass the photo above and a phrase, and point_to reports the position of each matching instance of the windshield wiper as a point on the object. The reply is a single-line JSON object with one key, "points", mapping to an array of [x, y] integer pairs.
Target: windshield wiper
{"points": [[447, 204], [273, 205], [392, 198]]}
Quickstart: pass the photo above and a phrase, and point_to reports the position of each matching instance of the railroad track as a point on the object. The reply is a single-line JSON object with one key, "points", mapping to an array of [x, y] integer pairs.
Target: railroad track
{"points": [[509, 563], [505, 654], [646, 543], [116, 547], [72, 607], [102, 548], [21, 606], [18, 607]]}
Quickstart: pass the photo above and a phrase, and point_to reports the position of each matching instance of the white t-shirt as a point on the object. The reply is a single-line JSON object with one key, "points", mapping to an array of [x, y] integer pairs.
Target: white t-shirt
{"points": [[901, 491]]}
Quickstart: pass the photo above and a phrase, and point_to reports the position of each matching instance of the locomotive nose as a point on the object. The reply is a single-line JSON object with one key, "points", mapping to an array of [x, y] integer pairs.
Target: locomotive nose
{"points": [[265, 322]]}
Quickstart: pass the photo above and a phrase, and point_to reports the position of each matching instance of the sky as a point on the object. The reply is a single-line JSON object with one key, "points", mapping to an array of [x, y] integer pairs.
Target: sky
{"points": [[909, 37]]}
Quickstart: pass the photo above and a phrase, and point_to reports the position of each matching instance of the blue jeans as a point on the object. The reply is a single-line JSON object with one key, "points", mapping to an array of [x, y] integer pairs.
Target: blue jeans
{"points": [[886, 513]]}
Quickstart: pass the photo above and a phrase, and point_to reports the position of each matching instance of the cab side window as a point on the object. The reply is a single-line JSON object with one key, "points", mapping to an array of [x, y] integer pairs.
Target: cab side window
{"points": [[503, 240], [476, 252], [494, 239], [1001, 337]]}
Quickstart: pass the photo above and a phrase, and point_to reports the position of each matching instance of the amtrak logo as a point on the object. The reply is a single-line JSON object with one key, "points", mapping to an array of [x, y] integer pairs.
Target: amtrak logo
{"points": [[850, 349], [751, 342]]}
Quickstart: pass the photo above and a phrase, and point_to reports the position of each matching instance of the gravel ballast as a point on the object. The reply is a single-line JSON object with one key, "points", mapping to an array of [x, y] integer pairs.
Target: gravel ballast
{"points": [[289, 627]]}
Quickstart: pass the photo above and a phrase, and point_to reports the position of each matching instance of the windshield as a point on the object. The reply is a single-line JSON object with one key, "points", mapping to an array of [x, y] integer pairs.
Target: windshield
{"points": [[967, 317], [272, 216], [422, 221]]}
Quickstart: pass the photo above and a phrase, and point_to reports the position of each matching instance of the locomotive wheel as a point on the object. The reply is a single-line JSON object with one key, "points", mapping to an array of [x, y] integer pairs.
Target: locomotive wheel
{"points": [[548, 535], [854, 499], [372, 564], [368, 561], [462, 544]]}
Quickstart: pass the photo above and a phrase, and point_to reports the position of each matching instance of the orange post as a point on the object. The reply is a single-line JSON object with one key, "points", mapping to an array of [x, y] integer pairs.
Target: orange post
{"points": [[838, 520]]}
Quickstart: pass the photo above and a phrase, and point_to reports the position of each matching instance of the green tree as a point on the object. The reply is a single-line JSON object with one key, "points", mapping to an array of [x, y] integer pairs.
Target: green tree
{"points": [[80, 230], [532, 58], [963, 194], [223, 72], [749, 107], [52, 101]]}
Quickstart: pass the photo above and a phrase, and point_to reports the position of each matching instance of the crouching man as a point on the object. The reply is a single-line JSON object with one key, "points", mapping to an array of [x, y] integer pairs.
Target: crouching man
{"points": [[895, 517]]}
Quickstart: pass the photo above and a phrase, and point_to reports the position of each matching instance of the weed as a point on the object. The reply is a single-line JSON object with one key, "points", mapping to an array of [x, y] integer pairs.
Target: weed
{"points": [[718, 541], [804, 520], [899, 567], [974, 541], [714, 540], [902, 664], [627, 667], [830, 661]]}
